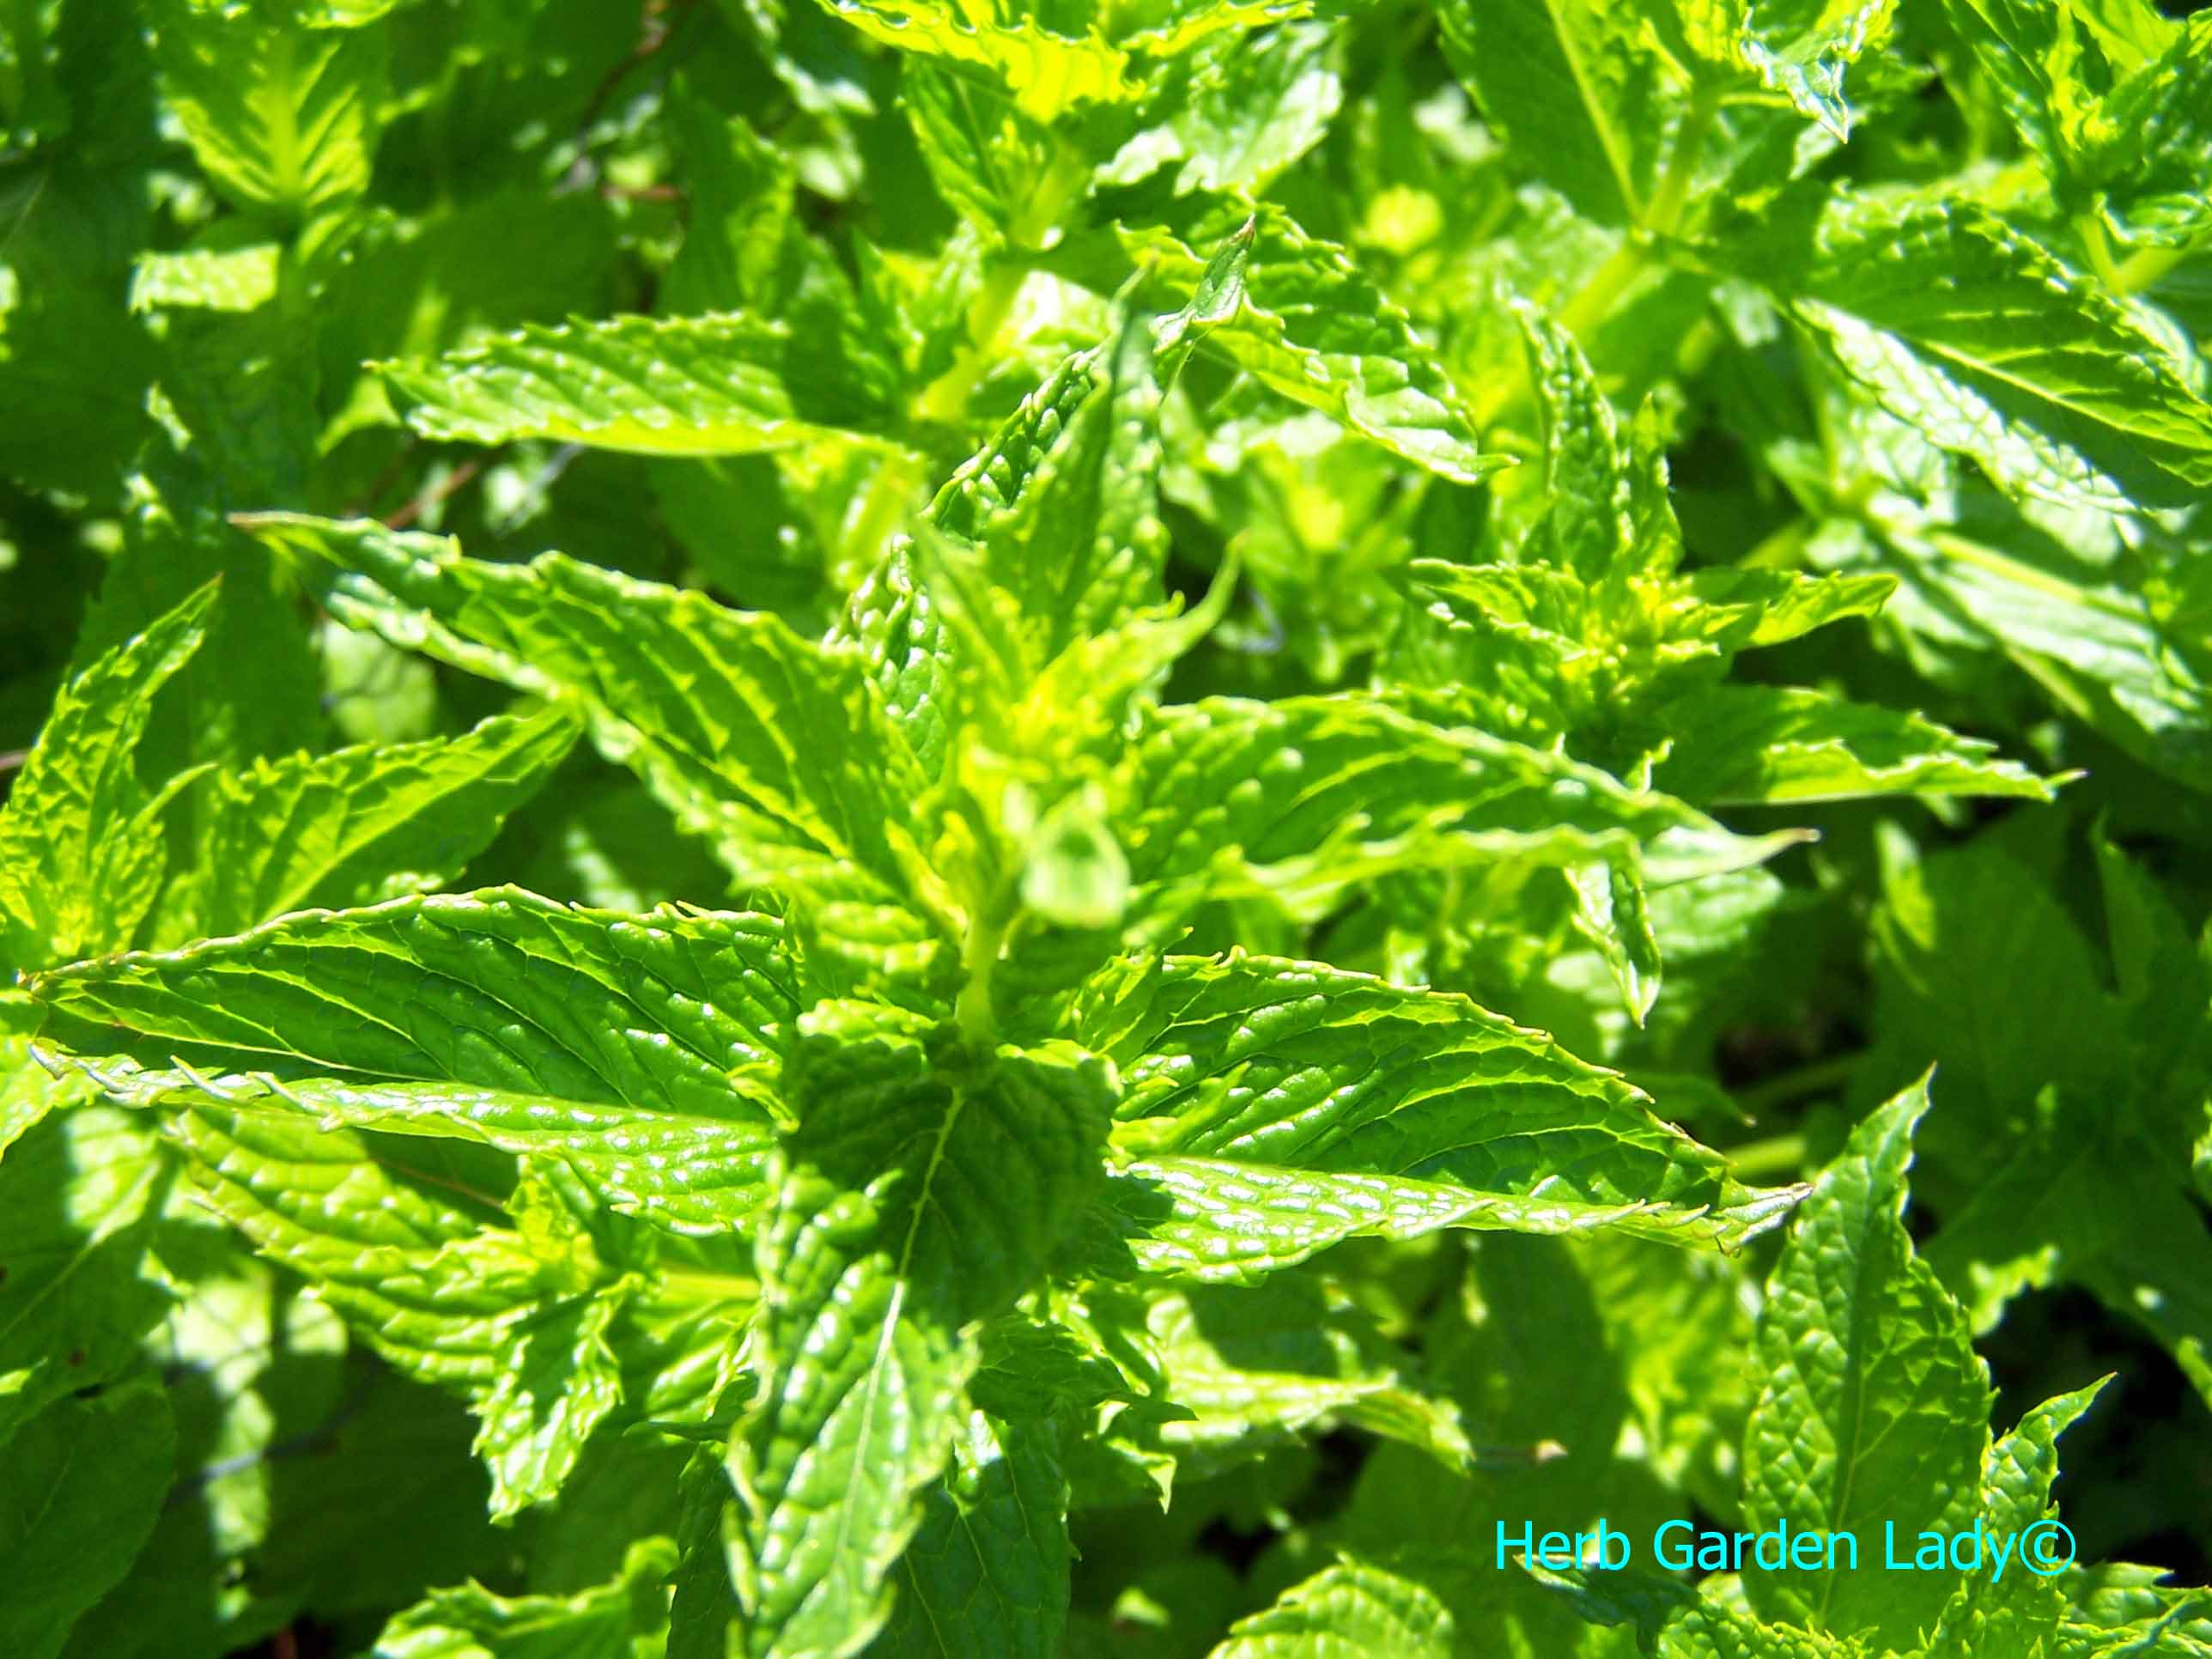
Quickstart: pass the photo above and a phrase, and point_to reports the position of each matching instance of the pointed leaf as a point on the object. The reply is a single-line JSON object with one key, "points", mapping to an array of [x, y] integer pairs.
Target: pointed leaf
{"points": [[723, 384], [79, 857], [360, 824], [1873, 1410], [648, 1037], [913, 1201], [85, 1480], [1746, 744]]}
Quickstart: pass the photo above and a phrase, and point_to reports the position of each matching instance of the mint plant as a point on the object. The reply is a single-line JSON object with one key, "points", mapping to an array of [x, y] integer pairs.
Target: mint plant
{"points": [[901, 828]]}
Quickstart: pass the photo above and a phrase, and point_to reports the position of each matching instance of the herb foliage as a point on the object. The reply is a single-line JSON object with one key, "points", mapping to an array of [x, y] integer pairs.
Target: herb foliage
{"points": [[913, 828]]}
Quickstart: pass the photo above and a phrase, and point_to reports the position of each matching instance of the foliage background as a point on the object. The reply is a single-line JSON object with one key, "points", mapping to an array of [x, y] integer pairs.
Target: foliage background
{"points": [[235, 241]]}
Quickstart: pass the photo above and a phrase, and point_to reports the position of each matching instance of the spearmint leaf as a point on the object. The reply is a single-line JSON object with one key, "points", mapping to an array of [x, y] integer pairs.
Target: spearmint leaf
{"points": [[1253, 1366], [2012, 1612], [913, 1199], [81, 859], [650, 1035], [1745, 744], [624, 1616], [1588, 525], [1785, 604], [84, 1480], [1248, 1082], [79, 1195], [1068, 57], [1235, 1221], [27, 1091], [1314, 328], [2128, 1613], [1962, 327], [2156, 133], [556, 1380], [722, 384], [1334, 789], [283, 117], [2098, 647], [987, 1572], [1353, 1607], [513, 1320], [1873, 1409], [1573, 90], [989, 160], [740, 246], [1711, 1631], [1250, 108], [1063, 500], [747, 733], [1075, 467], [210, 278], [408, 1262], [2034, 55], [360, 824], [1048, 72]]}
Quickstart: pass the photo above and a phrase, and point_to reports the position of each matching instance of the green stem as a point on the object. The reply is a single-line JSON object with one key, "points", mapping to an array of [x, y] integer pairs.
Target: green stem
{"points": [[1596, 300], [986, 934], [1821, 1076], [2099, 248], [1665, 217], [2146, 265], [1762, 1160], [945, 400], [701, 1285], [1954, 546]]}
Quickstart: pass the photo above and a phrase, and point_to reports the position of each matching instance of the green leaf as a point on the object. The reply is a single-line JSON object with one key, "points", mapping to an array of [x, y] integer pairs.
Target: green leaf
{"points": [[1588, 524], [2156, 131], [2011, 1611], [360, 824], [1964, 328], [1046, 72], [989, 160], [283, 117], [2129, 1613], [625, 1617], [1803, 49], [1746, 744], [988, 1571], [1250, 108], [747, 733], [1308, 324], [728, 383], [84, 1480], [79, 1194], [1353, 1607], [515, 1320], [650, 1036], [2096, 644], [1297, 1356], [2046, 73], [1279, 1107], [80, 857], [1873, 1412], [1051, 535], [916, 1199], [1070, 56], [1574, 91], [1304, 797]]}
